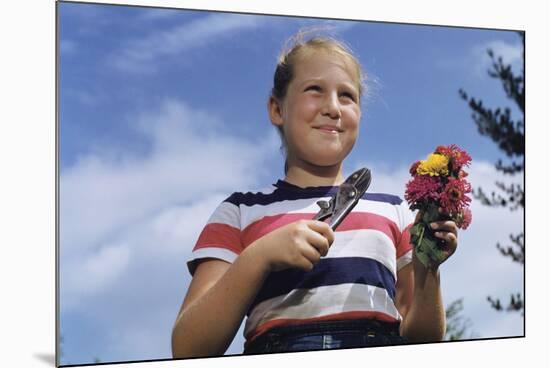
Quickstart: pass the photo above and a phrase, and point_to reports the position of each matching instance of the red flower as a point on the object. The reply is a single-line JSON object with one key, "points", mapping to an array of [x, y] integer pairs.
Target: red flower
{"points": [[413, 168], [454, 198], [443, 150], [457, 157], [421, 189]]}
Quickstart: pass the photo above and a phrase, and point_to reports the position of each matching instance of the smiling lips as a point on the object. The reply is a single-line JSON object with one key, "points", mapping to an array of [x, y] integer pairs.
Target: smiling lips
{"points": [[329, 129]]}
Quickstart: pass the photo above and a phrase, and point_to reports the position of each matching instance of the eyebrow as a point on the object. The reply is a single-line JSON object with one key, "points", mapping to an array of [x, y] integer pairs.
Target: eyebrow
{"points": [[318, 80]]}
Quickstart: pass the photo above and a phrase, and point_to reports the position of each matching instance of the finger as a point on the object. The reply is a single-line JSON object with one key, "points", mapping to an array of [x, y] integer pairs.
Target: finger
{"points": [[449, 238], [324, 229], [444, 226], [310, 253], [319, 242], [305, 264]]}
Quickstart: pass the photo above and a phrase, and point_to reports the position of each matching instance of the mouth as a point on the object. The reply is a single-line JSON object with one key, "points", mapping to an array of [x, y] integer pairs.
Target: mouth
{"points": [[331, 129]]}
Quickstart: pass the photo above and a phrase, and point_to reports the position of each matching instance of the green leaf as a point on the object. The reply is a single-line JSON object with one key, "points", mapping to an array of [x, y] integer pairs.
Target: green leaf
{"points": [[430, 246], [416, 229], [426, 247], [423, 258]]}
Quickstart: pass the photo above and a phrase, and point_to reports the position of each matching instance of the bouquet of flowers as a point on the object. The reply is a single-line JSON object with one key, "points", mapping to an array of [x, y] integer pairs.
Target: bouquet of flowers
{"points": [[438, 189]]}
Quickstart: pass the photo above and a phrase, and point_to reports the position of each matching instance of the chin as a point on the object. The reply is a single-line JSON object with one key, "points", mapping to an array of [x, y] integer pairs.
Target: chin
{"points": [[331, 158], [327, 161]]}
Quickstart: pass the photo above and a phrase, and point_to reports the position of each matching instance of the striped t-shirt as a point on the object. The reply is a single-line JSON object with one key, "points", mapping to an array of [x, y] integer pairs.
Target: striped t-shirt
{"points": [[356, 279]]}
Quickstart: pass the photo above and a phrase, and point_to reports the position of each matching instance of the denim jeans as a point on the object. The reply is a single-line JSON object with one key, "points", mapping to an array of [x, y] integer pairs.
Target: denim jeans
{"points": [[326, 335]]}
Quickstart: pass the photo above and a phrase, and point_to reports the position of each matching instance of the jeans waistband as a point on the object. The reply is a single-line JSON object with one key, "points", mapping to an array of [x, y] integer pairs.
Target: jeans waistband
{"points": [[367, 327]]}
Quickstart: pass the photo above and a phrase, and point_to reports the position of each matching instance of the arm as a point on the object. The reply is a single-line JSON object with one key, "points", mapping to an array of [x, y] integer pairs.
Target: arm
{"points": [[215, 305], [418, 293], [220, 293], [418, 299]]}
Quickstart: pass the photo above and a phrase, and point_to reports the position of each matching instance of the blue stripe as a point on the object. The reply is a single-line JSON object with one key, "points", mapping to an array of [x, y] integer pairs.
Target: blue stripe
{"points": [[329, 271], [279, 195], [382, 197]]}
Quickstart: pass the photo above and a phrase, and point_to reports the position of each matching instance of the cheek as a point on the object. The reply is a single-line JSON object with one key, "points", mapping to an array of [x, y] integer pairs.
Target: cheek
{"points": [[303, 106], [351, 118]]}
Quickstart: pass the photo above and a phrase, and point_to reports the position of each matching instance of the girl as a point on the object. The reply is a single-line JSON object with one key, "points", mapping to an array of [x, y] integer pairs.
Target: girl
{"points": [[301, 285]]}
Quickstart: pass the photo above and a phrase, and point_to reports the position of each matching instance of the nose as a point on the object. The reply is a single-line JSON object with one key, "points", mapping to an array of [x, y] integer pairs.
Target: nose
{"points": [[331, 106]]}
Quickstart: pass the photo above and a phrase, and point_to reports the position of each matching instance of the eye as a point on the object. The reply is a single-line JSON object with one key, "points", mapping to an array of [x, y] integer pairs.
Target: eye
{"points": [[313, 87], [349, 95]]}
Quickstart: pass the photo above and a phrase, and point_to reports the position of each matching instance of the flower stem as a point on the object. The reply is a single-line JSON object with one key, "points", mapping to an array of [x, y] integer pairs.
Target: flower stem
{"points": [[421, 235]]}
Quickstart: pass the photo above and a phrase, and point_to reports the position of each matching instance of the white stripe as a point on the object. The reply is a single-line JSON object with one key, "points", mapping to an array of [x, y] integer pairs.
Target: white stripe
{"points": [[404, 260], [366, 243], [256, 212], [226, 213], [406, 216], [322, 301], [384, 209], [218, 253]]}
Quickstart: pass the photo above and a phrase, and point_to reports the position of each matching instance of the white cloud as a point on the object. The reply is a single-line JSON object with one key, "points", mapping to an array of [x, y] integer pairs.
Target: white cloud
{"points": [[143, 55], [161, 199], [158, 14], [511, 54], [128, 223], [477, 61], [191, 155], [87, 275]]}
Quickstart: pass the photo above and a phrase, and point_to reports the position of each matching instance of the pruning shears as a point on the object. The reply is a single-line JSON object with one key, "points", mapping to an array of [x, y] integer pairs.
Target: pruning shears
{"points": [[347, 196]]}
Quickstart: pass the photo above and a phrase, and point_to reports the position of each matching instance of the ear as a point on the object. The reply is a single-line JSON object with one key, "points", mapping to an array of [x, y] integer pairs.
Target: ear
{"points": [[275, 111]]}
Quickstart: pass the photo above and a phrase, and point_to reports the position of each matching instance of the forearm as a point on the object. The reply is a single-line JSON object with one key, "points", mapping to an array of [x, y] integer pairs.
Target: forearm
{"points": [[207, 326], [425, 319]]}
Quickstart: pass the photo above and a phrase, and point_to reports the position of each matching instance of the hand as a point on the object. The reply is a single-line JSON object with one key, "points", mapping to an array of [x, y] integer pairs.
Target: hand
{"points": [[446, 231], [300, 244]]}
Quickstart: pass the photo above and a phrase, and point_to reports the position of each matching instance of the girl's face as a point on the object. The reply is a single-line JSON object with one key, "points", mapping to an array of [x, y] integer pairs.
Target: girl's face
{"points": [[320, 113]]}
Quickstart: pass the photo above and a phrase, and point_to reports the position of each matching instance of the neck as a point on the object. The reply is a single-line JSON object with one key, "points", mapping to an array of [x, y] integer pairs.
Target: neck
{"points": [[307, 175]]}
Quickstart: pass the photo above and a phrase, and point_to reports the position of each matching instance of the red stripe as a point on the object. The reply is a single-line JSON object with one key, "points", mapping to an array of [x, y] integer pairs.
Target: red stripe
{"points": [[267, 224], [404, 244], [354, 221], [336, 317], [220, 236]]}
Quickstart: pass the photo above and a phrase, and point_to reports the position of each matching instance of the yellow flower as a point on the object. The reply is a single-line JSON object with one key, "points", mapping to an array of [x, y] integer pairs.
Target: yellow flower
{"points": [[435, 165]]}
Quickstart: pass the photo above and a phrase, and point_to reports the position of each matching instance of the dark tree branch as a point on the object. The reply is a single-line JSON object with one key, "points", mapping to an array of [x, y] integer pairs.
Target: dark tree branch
{"points": [[457, 324], [515, 251], [509, 136]]}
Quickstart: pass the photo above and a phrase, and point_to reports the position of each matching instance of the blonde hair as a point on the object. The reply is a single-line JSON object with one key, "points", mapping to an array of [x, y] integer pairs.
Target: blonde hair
{"points": [[300, 46]]}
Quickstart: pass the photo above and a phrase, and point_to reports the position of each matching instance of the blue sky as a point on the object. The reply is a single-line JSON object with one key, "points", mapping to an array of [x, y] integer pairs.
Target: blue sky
{"points": [[162, 115]]}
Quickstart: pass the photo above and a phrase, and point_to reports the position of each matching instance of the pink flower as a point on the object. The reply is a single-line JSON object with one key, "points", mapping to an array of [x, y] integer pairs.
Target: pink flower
{"points": [[464, 219], [421, 189], [457, 157], [454, 198]]}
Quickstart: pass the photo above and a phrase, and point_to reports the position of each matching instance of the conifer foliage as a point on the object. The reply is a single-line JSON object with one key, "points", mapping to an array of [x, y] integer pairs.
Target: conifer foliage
{"points": [[509, 135]]}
